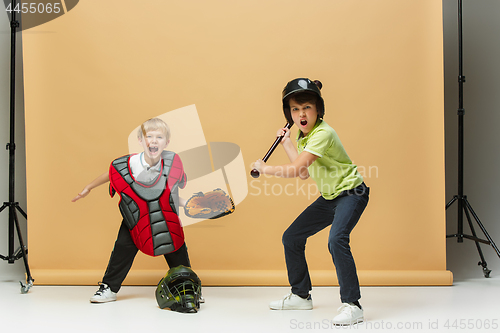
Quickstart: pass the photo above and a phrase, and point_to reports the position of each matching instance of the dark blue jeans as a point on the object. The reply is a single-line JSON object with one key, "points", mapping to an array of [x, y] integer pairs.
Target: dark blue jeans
{"points": [[342, 213]]}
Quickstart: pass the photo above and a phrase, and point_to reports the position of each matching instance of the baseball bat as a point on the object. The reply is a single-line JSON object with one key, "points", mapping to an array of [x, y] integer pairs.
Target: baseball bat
{"points": [[255, 173]]}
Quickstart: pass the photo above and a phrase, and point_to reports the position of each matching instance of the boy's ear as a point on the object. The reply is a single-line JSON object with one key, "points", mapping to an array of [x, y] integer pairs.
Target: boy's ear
{"points": [[140, 141], [143, 136]]}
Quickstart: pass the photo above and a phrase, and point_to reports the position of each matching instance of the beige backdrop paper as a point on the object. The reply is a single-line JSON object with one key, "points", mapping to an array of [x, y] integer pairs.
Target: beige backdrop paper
{"points": [[96, 73]]}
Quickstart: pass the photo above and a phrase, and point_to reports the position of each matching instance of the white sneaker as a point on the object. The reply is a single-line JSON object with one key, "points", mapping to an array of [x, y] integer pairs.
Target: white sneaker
{"points": [[349, 314], [103, 295], [292, 302]]}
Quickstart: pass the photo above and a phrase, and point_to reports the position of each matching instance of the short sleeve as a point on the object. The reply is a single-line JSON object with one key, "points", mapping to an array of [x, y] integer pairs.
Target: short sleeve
{"points": [[319, 142], [182, 175]]}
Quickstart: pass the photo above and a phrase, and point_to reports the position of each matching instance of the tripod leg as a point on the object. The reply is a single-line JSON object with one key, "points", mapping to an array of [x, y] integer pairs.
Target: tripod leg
{"points": [[29, 280], [1, 210], [451, 201], [21, 211], [482, 227], [482, 263]]}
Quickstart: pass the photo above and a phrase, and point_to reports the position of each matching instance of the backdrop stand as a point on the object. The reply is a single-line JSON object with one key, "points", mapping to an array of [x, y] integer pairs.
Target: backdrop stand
{"points": [[11, 147], [464, 206]]}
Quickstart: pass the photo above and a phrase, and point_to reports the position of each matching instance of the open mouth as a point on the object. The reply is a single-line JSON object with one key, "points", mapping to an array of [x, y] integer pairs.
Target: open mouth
{"points": [[303, 122], [153, 149]]}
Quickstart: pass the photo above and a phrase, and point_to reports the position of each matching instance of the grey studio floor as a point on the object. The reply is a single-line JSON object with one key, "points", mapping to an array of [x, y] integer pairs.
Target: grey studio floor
{"points": [[467, 306]]}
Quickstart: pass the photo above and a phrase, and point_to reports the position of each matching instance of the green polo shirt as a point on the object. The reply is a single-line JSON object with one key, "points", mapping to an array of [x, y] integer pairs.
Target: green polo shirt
{"points": [[333, 171]]}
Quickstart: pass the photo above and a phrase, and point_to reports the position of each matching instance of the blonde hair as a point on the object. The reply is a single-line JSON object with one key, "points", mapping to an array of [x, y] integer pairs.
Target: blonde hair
{"points": [[154, 124]]}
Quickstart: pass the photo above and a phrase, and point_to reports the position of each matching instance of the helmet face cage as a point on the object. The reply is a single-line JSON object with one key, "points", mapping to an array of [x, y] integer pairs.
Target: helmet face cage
{"points": [[179, 291], [301, 85]]}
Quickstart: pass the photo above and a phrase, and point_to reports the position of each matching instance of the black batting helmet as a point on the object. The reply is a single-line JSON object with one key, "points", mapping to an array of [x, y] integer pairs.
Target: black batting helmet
{"points": [[302, 85]]}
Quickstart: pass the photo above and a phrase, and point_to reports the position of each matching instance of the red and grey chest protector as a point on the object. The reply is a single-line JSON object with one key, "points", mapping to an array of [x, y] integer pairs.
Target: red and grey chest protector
{"points": [[151, 212]]}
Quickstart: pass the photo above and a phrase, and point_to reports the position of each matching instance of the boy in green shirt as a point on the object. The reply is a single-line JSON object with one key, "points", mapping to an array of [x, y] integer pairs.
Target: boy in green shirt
{"points": [[344, 196]]}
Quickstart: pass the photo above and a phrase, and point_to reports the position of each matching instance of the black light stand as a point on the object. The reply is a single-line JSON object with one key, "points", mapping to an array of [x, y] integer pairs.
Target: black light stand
{"points": [[463, 205], [11, 147]]}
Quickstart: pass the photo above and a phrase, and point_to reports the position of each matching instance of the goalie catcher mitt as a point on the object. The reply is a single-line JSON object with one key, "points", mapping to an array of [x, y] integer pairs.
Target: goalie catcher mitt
{"points": [[210, 205]]}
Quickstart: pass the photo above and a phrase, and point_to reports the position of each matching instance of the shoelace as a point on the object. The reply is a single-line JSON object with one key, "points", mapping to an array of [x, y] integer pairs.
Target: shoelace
{"points": [[346, 308], [285, 298], [102, 287]]}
